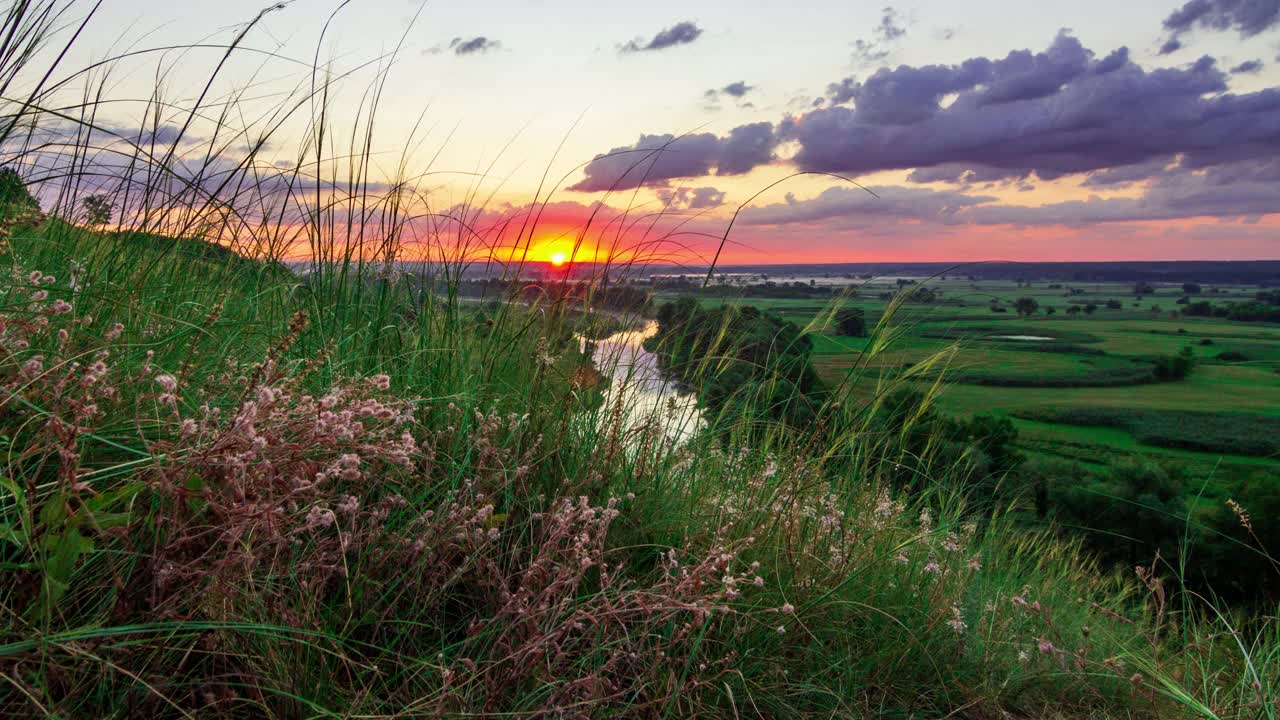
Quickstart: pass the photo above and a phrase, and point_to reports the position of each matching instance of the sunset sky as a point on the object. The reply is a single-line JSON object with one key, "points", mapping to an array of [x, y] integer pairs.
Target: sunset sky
{"points": [[1091, 130]]}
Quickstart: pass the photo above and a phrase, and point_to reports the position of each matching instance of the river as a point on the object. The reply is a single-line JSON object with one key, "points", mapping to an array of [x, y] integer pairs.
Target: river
{"points": [[645, 396]]}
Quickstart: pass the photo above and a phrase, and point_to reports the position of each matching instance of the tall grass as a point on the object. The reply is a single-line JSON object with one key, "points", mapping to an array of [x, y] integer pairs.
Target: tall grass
{"points": [[234, 489]]}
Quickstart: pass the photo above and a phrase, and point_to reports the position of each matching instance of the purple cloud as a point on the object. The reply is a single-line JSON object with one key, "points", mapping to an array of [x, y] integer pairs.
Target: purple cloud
{"points": [[681, 33], [1054, 113], [1063, 111], [1247, 17], [1241, 190], [737, 90], [1248, 67], [868, 53], [684, 198], [473, 46], [655, 159], [857, 205]]}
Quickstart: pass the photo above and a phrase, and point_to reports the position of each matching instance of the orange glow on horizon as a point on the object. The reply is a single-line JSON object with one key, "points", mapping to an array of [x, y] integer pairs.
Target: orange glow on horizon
{"points": [[558, 259]]}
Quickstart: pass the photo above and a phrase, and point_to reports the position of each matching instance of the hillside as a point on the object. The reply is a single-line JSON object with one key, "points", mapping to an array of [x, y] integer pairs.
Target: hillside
{"points": [[227, 492]]}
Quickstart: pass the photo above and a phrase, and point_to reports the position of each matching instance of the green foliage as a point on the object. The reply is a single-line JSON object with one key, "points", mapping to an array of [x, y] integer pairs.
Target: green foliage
{"points": [[740, 358], [1130, 513], [97, 209], [1218, 432], [1026, 306], [1170, 368], [851, 322]]}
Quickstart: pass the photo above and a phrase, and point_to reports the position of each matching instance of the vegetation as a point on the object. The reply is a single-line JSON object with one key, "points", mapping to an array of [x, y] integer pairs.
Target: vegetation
{"points": [[236, 489], [1219, 432], [758, 360]]}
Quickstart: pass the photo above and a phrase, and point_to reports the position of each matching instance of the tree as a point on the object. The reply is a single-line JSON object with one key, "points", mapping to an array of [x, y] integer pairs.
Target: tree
{"points": [[1175, 367], [1191, 288], [1074, 310], [851, 322], [1050, 310], [97, 209], [1134, 510], [1143, 288], [1026, 306], [1090, 309], [1114, 304]]}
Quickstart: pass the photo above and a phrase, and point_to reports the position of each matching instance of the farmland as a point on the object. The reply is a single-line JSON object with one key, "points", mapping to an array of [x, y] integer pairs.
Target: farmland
{"points": [[1054, 371]]}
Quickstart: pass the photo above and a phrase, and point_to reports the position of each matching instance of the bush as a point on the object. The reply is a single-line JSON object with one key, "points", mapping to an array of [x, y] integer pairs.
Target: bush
{"points": [[1170, 368], [851, 322]]}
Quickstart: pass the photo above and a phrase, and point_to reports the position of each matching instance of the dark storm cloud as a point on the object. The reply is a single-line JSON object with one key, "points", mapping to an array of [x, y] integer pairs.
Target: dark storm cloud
{"points": [[1247, 17], [655, 159], [681, 33], [471, 46], [1248, 67]]}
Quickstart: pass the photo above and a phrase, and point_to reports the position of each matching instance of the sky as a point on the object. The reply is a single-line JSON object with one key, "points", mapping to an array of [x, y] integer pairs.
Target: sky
{"points": [[925, 131]]}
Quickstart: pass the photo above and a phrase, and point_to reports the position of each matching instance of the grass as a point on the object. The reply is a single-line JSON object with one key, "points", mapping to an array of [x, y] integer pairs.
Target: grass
{"points": [[1214, 432], [232, 490]]}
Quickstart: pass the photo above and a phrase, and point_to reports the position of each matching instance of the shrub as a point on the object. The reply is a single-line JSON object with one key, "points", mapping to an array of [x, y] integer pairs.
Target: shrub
{"points": [[851, 322]]}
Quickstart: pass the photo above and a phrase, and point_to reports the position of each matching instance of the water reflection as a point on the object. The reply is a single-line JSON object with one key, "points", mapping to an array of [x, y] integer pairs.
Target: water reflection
{"points": [[640, 391]]}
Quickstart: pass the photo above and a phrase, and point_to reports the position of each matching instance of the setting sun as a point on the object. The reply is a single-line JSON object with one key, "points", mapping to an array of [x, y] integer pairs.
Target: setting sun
{"points": [[558, 259]]}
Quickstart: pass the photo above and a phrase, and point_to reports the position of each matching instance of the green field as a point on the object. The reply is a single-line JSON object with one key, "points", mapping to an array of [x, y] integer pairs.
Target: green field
{"points": [[1062, 362]]}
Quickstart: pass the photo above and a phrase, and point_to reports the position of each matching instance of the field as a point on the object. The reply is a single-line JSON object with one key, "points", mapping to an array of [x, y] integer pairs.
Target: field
{"points": [[1061, 362], [259, 464]]}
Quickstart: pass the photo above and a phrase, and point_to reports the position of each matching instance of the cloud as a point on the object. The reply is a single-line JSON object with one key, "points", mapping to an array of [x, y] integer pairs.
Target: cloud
{"points": [[684, 198], [1175, 197], [473, 46], [682, 33], [737, 90], [1244, 189], [856, 204], [868, 53], [655, 159], [1053, 113], [1247, 17], [746, 147], [1248, 67], [1029, 116], [1125, 175], [909, 94]]}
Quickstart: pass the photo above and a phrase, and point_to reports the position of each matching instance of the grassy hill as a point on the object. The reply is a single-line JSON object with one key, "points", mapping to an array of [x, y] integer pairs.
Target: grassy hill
{"points": [[229, 490]]}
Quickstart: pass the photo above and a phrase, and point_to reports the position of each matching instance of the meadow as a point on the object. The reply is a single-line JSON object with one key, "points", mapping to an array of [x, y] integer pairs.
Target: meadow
{"points": [[334, 487], [1078, 362]]}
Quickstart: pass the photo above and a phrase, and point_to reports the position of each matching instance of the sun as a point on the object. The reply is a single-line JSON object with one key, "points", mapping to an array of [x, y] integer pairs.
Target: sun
{"points": [[558, 259]]}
